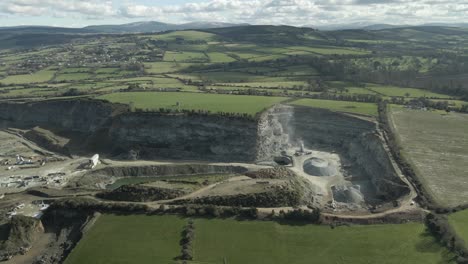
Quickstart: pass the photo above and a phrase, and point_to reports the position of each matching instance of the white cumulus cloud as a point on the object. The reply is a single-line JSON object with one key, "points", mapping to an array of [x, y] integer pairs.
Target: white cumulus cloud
{"points": [[293, 12]]}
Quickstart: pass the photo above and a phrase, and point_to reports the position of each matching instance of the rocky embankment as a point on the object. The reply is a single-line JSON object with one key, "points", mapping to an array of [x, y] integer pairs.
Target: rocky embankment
{"points": [[186, 137], [100, 126], [359, 144], [112, 128]]}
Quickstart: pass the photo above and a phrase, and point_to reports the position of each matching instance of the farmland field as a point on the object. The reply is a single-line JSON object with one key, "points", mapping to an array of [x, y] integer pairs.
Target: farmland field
{"points": [[436, 143], [165, 67], [269, 242], [403, 92], [218, 57], [458, 221], [340, 106], [194, 101], [155, 239], [186, 35], [37, 77], [185, 56], [328, 50], [73, 76], [130, 239]]}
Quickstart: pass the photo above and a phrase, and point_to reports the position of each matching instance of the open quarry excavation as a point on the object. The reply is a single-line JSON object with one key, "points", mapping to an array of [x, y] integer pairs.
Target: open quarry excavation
{"points": [[290, 157]]}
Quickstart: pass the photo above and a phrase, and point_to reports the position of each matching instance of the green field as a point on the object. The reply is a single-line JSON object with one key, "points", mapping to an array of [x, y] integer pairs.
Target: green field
{"points": [[185, 56], [340, 106], [269, 242], [78, 76], [195, 101], [130, 239], [165, 67], [436, 144], [189, 35], [328, 50], [155, 239], [218, 57], [388, 90], [458, 221], [37, 77]]}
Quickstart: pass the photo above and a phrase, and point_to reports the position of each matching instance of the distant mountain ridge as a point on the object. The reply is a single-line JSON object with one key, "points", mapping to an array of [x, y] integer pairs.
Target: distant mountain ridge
{"points": [[371, 26], [155, 26], [136, 27]]}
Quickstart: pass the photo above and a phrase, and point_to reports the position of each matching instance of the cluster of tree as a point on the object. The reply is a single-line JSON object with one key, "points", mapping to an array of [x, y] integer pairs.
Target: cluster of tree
{"points": [[188, 234], [312, 216], [73, 92], [369, 98], [395, 149], [133, 87], [133, 66], [219, 211], [199, 112], [91, 205], [278, 197], [21, 232], [441, 229], [440, 105], [140, 193]]}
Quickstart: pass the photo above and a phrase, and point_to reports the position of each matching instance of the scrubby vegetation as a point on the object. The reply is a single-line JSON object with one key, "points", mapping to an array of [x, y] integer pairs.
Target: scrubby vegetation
{"points": [[140, 193], [22, 232]]}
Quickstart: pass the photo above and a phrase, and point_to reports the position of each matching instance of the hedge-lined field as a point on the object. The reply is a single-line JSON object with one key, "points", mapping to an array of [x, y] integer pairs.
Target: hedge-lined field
{"points": [[195, 101], [340, 106]]}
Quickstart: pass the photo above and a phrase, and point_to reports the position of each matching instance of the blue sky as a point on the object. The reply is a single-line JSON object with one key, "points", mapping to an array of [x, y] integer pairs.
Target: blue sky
{"points": [[77, 13]]}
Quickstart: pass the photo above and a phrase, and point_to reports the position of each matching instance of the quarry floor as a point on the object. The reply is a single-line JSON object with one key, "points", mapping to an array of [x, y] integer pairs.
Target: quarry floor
{"points": [[59, 173]]}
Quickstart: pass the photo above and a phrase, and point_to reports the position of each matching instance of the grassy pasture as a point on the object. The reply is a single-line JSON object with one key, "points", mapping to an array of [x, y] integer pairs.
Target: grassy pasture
{"points": [[165, 67], [389, 90], [37, 77], [458, 221], [155, 239], [75, 70], [130, 239], [78, 76], [267, 57], [185, 56], [107, 70], [29, 92], [324, 50], [246, 54], [269, 242], [189, 35], [297, 70], [436, 144], [195, 101], [272, 83], [369, 109], [219, 57]]}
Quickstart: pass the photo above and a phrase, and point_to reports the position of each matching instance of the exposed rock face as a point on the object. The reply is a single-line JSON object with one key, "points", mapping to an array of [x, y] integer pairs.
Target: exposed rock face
{"points": [[112, 127], [356, 140], [164, 170], [274, 132], [186, 137], [368, 152], [23, 232], [84, 116], [325, 130]]}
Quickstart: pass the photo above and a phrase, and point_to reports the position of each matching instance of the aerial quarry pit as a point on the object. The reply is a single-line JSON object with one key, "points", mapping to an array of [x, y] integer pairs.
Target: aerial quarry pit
{"points": [[291, 157], [342, 158]]}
